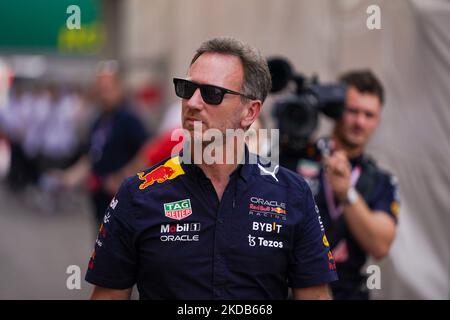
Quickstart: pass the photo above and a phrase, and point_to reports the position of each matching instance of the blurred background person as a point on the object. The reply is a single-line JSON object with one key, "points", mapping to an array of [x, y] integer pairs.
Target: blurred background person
{"points": [[40, 121], [15, 119]]}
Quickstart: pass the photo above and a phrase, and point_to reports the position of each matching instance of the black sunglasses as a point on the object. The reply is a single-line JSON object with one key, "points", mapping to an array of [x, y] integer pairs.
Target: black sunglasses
{"points": [[211, 94]]}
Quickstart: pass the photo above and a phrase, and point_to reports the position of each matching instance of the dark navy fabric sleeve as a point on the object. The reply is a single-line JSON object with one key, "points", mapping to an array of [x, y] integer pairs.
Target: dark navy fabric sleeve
{"points": [[113, 262], [386, 197], [312, 262]]}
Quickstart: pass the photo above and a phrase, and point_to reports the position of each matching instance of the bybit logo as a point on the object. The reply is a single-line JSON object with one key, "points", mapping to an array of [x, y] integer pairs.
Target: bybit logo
{"points": [[267, 227]]}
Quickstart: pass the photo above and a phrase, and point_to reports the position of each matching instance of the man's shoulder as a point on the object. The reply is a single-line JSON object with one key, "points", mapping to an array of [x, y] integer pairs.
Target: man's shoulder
{"points": [[384, 182], [387, 179], [293, 179], [383, 174]]}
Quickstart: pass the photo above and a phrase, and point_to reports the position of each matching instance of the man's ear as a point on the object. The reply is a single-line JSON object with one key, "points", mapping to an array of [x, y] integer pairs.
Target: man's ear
{"points": [[250, 113]]}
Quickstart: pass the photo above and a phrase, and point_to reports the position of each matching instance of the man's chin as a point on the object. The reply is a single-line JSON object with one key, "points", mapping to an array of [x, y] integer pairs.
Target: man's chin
{"points": [[194, 136], [191, 125], [356, 143]]}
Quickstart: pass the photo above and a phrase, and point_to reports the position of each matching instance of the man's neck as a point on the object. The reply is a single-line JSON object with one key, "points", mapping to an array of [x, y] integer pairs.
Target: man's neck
{"points": [[222, 170], [219, 173], [109, 109]]}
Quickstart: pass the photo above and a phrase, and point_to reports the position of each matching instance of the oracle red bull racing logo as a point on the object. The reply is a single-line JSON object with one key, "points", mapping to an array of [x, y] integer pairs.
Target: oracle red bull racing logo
{"points": [[267, 208], [169, 170]]}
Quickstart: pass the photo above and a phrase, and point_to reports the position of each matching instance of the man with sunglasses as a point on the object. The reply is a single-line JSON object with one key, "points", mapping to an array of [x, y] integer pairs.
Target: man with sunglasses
{"points": [[189, 229]]}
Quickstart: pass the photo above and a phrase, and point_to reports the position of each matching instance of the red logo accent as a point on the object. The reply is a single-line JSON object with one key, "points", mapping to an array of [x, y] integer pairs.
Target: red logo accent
{"points": [[331, 262], [102, 231], [179, 214], [91, 261]]}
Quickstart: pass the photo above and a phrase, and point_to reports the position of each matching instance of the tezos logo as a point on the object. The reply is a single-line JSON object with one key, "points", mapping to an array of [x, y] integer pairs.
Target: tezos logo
{"points": [[262, 242]]}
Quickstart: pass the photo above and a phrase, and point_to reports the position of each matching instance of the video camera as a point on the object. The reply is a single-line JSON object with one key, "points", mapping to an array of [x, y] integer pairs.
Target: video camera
{"points": [[297, 114]]}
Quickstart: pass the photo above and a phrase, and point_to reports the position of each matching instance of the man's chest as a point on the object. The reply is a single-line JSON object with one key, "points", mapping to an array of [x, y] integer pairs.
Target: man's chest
{"points": [[191, 226]]}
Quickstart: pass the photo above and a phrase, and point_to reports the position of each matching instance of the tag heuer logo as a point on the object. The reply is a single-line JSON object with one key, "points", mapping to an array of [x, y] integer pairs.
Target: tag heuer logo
{"points": [[178, 210]]}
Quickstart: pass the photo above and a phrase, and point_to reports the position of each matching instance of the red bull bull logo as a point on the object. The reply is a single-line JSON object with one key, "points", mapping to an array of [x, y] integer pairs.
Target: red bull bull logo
{"points": [[168, 171], [158, 175]]}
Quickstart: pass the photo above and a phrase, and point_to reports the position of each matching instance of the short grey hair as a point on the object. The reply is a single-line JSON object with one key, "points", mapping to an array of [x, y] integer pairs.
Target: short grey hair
{"points": [[257, 80]]}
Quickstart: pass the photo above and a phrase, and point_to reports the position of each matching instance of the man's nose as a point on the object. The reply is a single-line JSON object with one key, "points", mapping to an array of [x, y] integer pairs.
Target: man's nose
{"points": [[361, 119], [196, 101]]}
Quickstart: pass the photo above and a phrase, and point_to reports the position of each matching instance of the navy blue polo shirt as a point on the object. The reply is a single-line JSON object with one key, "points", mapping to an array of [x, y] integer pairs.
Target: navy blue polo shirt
{"points": [[167, 232]]}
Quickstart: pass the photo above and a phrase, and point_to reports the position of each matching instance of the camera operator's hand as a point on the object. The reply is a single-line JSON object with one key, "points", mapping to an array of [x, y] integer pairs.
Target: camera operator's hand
{"points": [[338, 173]]}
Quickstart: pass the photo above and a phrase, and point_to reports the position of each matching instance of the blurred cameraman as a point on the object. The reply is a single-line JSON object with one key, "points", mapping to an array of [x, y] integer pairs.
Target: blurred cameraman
{"points": [[358, 201]]}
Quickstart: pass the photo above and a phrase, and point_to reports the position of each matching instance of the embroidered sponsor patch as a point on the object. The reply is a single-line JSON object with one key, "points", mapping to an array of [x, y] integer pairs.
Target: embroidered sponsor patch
{"points": [[178, 210]]}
